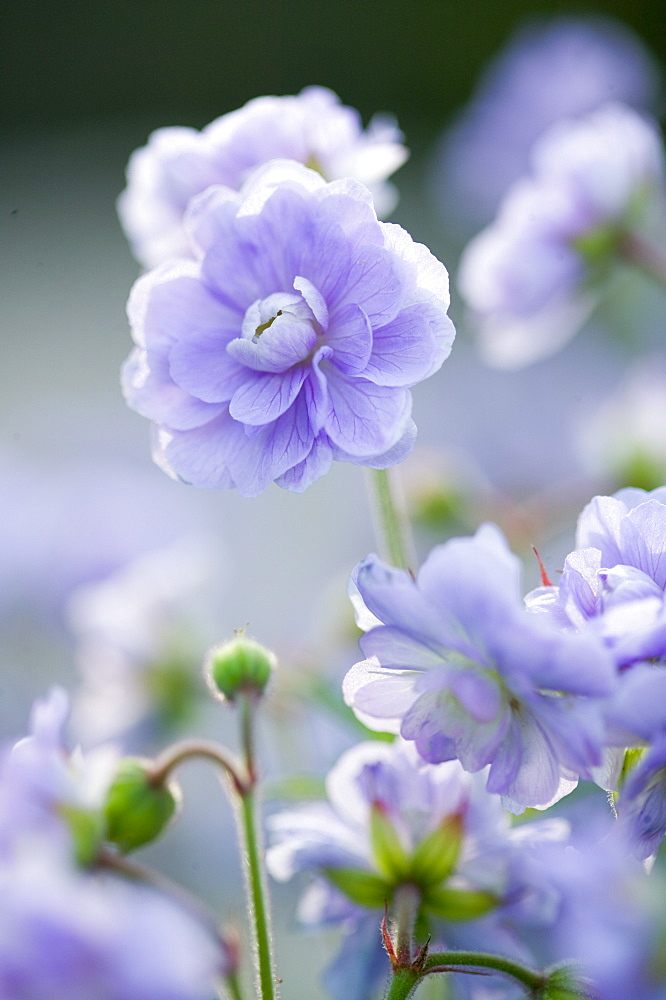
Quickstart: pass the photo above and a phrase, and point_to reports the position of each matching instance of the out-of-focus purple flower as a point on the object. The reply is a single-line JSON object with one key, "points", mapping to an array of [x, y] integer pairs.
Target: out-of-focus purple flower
{"points": [[378, 787], [137, 651], [611, 918], [43, 786], [457, 664], [292, 341], [550, 69], [312, 127], [69, 936], [529, 278], [641, 804]]}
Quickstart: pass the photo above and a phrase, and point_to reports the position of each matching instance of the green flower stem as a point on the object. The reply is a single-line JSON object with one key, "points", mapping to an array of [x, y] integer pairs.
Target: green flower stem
{"points": [[258, 905], [391, 522], [407, 977], [468, 961], [647, 256], [405, 908], [243, 780], [402, 985], [174, 756]]}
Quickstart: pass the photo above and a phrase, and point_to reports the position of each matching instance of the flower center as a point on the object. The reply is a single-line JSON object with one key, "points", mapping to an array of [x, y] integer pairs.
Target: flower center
{"points": [[264, 326]]}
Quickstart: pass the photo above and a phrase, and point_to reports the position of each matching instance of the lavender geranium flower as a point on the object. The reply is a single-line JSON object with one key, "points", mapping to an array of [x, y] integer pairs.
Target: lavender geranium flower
{"points": [[312, 127], [456, 664], [291, 341], [531, 278], [69, 936], [611, 917], [392, 820]]}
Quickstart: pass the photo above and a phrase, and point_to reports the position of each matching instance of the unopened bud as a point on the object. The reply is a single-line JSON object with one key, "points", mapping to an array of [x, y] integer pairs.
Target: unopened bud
{"points": [[137, 811], [240, 666]]}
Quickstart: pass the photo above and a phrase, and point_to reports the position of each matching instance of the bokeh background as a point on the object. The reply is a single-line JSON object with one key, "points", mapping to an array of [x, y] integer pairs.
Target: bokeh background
{"points": [[83, 84]]}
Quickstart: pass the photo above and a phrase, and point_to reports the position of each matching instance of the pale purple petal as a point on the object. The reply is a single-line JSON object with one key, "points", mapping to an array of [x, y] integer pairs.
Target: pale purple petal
{"points": [[365, 418], [350, 336], [411, 347], [263, 397]]}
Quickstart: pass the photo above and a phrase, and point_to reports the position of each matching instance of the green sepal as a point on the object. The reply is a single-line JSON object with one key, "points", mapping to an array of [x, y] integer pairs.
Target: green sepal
{"points": [[361, 887], [388, 853], [435, 857], [563, 984], [459, 904], [137, 811], [87, 830], [598, 245]]}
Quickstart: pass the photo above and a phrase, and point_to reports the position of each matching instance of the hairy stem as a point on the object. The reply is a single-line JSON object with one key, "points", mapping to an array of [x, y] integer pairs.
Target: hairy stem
{"points": [[403, 983], [257, 893], [469, 961], [172, 757], [391, 522]]}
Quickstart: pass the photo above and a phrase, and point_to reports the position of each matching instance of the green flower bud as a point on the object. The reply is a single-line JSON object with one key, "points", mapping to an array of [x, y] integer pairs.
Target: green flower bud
{"points": [[241, 666], [137, 811]]}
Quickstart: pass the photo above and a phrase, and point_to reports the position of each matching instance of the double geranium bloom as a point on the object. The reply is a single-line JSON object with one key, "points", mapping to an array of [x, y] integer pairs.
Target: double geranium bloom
{"points": [[291, 341], [312, 127], [458, 665]]}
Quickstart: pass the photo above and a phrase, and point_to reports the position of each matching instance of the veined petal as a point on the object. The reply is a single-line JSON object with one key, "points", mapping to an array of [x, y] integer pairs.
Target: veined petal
{"points": [[148, 388], [255, 461], [365, 418], [394, 648], [263, 397], [411, 347], [350, 336], [315, 465], [203, 367]]}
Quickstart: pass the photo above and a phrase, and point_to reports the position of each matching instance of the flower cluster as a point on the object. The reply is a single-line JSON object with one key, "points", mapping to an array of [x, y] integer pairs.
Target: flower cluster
{"points": [[291, 341]]}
